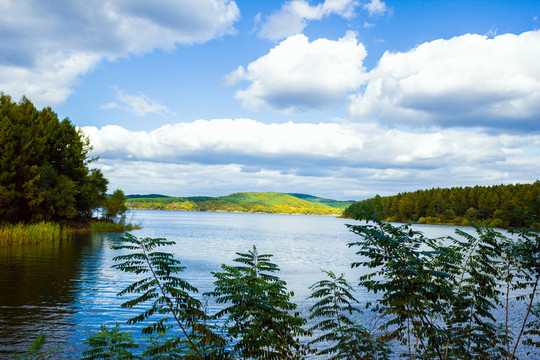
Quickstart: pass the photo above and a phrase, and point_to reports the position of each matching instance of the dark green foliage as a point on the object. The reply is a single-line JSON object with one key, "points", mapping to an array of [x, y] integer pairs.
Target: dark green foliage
{"points": [[169, 298], [412, 294], [259, 316], [260, 322], [115, 206], [439, 297], [533, 332], [44, 174], [528, 255], [334, 308], [35, 351], [109, 344], [493, 205]]}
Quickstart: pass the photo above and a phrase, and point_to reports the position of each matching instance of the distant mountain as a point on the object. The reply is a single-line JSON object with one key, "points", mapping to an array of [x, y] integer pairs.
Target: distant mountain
{"points": [[150, 196], [260, 202], [330, 202]]}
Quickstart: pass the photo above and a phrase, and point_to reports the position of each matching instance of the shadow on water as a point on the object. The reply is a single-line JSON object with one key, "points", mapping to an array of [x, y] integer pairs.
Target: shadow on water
{"points": [[39, 287]]}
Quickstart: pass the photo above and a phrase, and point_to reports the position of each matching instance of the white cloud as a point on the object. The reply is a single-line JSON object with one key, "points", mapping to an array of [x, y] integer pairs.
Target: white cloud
{"points": [[50, 80], [223, 155], [298, 74], [52, 44], [376, 7], [294, 15], [138, 104], [221, 139], [469, 80]]}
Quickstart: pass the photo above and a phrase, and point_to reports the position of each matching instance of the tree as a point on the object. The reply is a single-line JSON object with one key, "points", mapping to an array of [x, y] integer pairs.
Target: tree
{"points": [[170, 299], [440, 298], [259, 316], [44, 167], [109, 344], [344, 338], [115, 206]]}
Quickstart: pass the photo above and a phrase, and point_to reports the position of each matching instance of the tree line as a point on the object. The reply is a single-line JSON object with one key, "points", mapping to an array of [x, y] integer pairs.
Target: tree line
{"points": [[493, 205], [45, 172]]}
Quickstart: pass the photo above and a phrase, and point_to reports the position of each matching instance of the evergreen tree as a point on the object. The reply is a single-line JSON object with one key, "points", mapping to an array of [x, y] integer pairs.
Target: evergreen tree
{"points": [[44, 167]]}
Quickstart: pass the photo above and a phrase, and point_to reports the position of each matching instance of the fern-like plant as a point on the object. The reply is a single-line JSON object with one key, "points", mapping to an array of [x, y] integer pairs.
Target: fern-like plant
{"points": [[335, 310], [260, 318], [109, 344], [414, 295], [170, 300], [36, 351], [441, 298]]}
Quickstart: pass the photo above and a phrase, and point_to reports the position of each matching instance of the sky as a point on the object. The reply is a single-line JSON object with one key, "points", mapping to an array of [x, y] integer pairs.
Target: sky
{"points": [[342, 99]]}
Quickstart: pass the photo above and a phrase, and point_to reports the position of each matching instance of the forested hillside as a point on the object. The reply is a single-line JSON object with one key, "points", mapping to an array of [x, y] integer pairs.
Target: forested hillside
{"points": [[324, 201], [267, 202], [498, 206]]}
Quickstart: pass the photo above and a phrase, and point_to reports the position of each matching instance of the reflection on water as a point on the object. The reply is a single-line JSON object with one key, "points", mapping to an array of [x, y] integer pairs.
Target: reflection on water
{"points": [[67, 288]]}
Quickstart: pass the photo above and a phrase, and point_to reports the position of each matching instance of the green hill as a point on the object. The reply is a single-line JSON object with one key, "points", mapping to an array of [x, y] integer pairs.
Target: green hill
{"points": [[498, 206], [259, 202], [329, 202]]}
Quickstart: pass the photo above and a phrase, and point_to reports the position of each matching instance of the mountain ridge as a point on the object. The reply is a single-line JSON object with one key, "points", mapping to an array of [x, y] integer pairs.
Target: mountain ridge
{"points": [[258, 202]]}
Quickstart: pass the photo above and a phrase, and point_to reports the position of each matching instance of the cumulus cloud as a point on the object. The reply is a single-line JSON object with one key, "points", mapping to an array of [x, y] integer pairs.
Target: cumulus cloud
{"points": [[375, 7], [468, 80], [298, 74], [223, 141], [138, 104], [294, 16], [52, 44], [340, 159]]}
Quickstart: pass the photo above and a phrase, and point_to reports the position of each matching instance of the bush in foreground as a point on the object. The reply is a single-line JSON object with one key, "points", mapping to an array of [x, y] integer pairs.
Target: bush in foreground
{"points": [[438, 299]]}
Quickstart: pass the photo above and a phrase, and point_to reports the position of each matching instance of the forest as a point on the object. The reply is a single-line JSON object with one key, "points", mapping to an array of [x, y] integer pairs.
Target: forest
{"points": [[46, 178], [493, 205], [44, 161]]}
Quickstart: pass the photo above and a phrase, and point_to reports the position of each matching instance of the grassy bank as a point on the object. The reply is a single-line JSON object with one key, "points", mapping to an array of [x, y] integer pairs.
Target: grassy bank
{"points": [[18, 234], [32, 233]]}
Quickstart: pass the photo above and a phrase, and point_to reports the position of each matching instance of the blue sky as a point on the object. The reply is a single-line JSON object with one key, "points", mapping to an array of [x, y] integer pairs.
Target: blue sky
{"points": [[338, 98]]}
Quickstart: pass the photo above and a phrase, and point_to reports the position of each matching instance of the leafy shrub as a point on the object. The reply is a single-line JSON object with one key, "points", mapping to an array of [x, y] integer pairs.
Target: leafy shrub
{"points": [[437, 297]]}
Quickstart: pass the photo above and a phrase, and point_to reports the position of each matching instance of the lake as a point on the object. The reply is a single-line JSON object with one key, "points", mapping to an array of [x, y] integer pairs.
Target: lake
{"points": [[67, 289]]}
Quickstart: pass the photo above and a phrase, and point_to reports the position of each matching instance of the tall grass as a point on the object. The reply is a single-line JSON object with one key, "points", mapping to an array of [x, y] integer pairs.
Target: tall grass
{"points": [[18, 234], [101, 226]]}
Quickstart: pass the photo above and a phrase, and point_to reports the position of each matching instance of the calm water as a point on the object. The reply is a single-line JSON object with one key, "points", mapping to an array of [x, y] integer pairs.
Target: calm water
{"points": [[68, 288]]}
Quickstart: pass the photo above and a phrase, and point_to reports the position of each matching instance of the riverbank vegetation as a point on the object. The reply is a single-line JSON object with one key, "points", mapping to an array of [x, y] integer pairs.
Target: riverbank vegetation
{"points": [[44, 232], [493, 205], [250, 202], [17, 234], [45, 173], [472, 296], [47, 187]]}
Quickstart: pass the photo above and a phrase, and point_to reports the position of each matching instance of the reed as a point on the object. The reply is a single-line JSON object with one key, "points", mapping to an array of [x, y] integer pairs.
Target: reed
{"points": [[100, 226], [17, 234]]}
